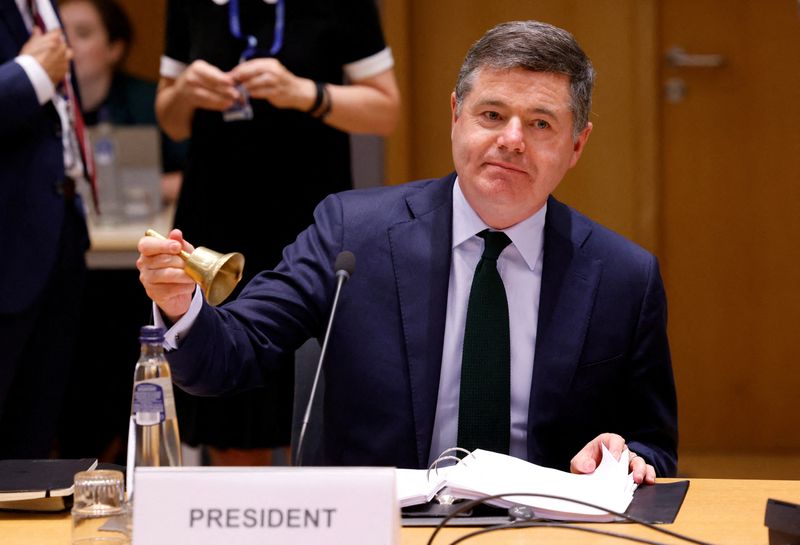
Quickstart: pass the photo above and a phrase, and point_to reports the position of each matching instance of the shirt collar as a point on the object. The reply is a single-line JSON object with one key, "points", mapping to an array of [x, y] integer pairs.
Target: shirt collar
{"points": [[527, 235]]}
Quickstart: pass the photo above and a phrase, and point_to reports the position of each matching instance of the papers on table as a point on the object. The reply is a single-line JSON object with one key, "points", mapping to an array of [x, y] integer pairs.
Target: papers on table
{"points": [[484, 473]]}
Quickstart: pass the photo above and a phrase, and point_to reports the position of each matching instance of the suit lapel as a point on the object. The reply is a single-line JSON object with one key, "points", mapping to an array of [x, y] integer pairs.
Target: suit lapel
{"points": [[569, 284], [420, 249]]}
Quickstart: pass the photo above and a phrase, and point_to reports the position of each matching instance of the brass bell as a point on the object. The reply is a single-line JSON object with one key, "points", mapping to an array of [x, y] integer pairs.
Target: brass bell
{"points": [[216, 273]]}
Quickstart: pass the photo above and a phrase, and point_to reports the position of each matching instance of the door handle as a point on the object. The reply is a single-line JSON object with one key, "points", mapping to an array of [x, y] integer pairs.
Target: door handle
{"points": [[677, 57]]}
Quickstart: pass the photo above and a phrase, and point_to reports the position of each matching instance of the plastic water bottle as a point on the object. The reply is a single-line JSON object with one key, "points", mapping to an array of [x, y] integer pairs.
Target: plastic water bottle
{"points": [[105, 158], [153, 417]]}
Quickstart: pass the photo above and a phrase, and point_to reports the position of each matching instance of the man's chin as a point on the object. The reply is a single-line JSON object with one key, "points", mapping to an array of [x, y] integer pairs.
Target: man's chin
{"points": [[511, 184]]}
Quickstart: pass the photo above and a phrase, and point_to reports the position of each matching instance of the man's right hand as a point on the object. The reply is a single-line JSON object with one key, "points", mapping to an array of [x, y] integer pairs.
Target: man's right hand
{"points": [[161, 272], [51, 51]]}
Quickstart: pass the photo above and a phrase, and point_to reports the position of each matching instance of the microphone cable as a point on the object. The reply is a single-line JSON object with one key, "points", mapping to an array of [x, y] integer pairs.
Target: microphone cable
{"points": [[529, 523]]}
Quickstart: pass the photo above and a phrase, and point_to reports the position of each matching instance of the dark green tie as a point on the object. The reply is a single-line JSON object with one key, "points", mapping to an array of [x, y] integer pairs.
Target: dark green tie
{"points": [[484, 410]]}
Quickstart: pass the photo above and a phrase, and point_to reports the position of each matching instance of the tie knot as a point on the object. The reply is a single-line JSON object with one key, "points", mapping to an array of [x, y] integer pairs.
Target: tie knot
{"points": [[494, 243]]}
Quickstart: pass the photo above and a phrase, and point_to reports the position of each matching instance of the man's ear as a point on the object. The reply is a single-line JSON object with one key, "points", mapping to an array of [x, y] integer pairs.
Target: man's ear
{"points": [[579, 144]]}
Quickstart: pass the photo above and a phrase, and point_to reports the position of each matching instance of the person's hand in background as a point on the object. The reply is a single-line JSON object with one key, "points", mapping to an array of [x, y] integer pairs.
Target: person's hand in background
{"points": [[205, 86], [268, 79], [200, 85], [51, 51]]}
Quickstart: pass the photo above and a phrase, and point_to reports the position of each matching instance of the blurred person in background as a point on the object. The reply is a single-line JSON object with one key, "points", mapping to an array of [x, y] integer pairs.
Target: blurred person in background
{"points": [[268, 93], [100, 35], [42, 228]]}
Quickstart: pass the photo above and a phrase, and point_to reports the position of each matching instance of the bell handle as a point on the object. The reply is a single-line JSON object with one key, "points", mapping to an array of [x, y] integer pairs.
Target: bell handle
{"points": [[153, 233]]}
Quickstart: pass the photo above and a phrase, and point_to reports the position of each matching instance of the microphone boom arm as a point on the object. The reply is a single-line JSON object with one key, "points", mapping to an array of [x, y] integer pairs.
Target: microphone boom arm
{"points": [[341, 277]]}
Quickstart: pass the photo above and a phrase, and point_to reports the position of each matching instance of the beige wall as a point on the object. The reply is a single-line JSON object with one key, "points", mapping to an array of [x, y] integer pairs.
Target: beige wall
{"points": [[148, 18]]}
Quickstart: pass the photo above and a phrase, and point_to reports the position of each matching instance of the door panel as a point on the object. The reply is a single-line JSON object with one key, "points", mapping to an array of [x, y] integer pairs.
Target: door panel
{"points": [[730, 221]]}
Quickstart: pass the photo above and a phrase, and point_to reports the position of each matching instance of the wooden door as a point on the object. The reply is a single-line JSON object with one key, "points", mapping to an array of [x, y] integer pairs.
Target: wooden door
{"points": [[730, 220]]}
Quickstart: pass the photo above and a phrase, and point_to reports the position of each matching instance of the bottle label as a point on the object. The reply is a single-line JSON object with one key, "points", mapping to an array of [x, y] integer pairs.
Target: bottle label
{"points": [[153, 401]]}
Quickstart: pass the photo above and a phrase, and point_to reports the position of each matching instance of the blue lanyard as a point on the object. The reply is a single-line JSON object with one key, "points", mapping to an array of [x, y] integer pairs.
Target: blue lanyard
{"points": [[236, 29]]}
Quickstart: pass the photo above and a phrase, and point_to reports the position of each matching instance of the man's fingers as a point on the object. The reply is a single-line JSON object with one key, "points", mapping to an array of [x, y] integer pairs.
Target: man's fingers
{"points": [[163, 270], [650, 475], [584, 461], [165, 292], [638, 467], [160, 261], [614, 443], [151, 246], [642, 471], [587, 460], [177, 234]]}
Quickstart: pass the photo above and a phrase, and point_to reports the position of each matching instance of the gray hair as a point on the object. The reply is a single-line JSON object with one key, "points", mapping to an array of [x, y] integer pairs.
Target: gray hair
{"points": [[534, 46]]}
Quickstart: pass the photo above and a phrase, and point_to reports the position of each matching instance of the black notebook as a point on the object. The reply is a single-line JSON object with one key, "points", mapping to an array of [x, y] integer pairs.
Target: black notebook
{"points": [[40, 485]]}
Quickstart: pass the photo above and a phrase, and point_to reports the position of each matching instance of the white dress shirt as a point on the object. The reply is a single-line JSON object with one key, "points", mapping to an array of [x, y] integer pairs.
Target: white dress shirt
{"points": [[45, 90], [520, 267]]}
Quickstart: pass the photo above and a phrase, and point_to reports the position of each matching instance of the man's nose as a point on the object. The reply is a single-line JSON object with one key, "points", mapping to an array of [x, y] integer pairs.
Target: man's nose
{"points": [[511, 137]]}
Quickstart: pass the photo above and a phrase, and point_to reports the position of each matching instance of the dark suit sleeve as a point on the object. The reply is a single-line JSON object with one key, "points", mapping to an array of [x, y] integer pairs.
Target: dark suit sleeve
{"points": [[231, 348], [652, 404], [18, 100]]}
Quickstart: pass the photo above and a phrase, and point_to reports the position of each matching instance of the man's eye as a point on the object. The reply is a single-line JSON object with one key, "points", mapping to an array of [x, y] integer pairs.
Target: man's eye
{"points": [[492, 116], [541, 124]]}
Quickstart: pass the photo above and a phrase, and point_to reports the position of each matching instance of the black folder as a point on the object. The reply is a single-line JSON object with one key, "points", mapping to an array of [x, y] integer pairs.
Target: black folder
{"points": [[40, 485], [655, 503]]}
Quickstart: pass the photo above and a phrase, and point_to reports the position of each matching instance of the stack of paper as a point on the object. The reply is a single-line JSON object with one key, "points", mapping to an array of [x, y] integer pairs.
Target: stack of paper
{"points": [[415, 486], [484, 473]]}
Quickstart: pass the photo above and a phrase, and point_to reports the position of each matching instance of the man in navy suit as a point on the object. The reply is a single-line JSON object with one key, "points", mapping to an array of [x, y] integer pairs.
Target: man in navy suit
{"points": [[42, 230], [589, 357]]}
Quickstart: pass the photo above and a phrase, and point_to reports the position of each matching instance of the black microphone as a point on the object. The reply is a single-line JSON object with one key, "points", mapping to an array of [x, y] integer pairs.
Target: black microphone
{"points": [[344, 266]]}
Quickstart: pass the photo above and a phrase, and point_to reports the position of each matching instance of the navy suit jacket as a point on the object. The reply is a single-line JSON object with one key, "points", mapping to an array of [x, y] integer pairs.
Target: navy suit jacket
{"points": [[31, 167], [602, 360]]}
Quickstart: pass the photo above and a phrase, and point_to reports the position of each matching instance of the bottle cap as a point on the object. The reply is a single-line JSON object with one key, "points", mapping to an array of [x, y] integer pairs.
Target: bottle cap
{"points": [[151, 334]]}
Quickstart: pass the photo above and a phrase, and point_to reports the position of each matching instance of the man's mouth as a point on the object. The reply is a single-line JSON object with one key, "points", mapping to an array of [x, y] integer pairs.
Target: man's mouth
{"points": [[506, 166]]}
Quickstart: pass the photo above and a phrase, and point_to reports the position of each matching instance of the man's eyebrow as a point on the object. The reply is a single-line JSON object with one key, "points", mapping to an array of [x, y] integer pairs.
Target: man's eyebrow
{"points": [[490, 102], [543, 110]]}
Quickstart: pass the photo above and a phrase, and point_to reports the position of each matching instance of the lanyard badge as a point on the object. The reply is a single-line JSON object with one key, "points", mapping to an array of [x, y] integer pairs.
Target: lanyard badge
{"points": [[242, 110]]}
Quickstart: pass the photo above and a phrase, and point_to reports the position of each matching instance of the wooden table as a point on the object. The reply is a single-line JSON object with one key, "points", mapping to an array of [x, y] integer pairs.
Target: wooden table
{"points": [[719, 511]]}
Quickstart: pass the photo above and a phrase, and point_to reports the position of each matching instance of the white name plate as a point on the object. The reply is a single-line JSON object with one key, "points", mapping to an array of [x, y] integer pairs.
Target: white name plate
{"points": [[265, 506]]}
